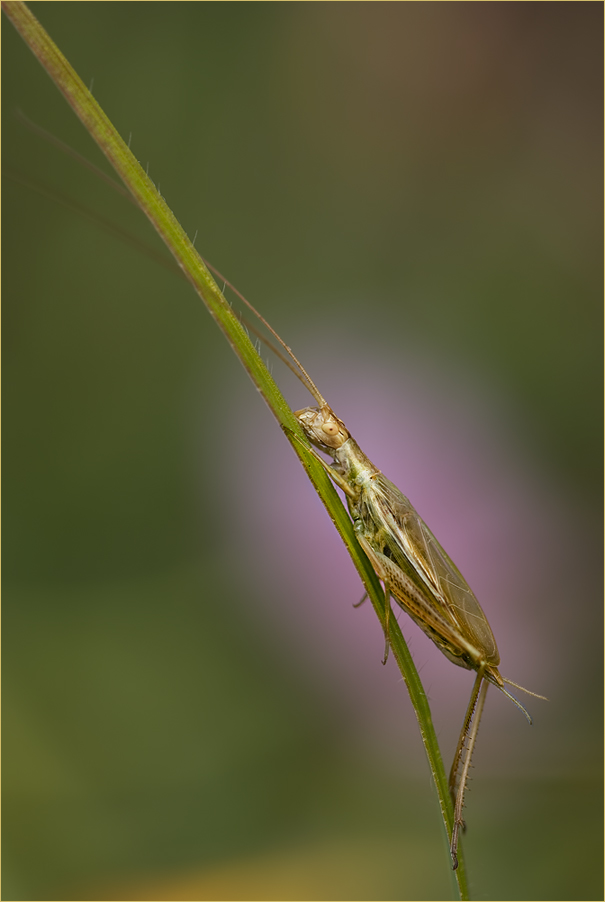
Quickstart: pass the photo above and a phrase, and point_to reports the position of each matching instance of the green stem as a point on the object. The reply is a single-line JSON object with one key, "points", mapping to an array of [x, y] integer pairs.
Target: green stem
{"points": [[169, 229]]}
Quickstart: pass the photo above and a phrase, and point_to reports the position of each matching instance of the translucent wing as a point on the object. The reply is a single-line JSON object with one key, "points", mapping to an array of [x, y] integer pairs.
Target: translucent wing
{"points": [[408, 541]]}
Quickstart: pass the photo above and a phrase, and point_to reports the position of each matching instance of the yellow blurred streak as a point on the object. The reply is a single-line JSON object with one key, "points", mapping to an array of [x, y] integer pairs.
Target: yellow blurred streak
{"points": [[336, 869]]}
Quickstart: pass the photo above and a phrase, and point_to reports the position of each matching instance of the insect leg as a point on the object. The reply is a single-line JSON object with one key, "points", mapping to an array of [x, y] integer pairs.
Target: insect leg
{"points": [[462, 739], [387, 619], [470, 728], [332, 473]]}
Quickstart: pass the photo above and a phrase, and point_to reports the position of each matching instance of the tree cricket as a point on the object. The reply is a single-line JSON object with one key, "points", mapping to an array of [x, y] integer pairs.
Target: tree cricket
{"points": [[413, 567], [407, 558]]}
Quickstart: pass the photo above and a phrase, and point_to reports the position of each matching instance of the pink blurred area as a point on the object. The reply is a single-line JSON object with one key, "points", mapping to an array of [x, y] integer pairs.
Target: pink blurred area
{"points": [[454, 444]]}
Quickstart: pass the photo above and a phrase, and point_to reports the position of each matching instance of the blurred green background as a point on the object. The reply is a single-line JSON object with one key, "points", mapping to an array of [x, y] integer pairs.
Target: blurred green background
{"points": [[411, 193]]}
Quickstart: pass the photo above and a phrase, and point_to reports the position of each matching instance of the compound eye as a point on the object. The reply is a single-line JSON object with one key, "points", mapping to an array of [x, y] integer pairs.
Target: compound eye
{"points": [[330, 429]]}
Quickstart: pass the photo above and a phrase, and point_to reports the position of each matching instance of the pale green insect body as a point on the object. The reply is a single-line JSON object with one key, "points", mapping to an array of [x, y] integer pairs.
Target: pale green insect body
{"points": [[403, 551], [418, 574]]}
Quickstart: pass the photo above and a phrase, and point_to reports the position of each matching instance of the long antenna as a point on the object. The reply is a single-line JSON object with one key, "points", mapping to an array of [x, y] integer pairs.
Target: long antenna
{"points": [[293, 364], [300, 371]]}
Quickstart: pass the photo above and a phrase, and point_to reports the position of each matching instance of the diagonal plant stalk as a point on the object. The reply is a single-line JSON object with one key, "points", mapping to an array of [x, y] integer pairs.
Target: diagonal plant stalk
{"points": [[193, 267]]}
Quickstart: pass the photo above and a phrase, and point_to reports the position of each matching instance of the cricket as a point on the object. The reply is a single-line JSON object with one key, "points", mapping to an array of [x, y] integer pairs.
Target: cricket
{"points": [[412, 566]]}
